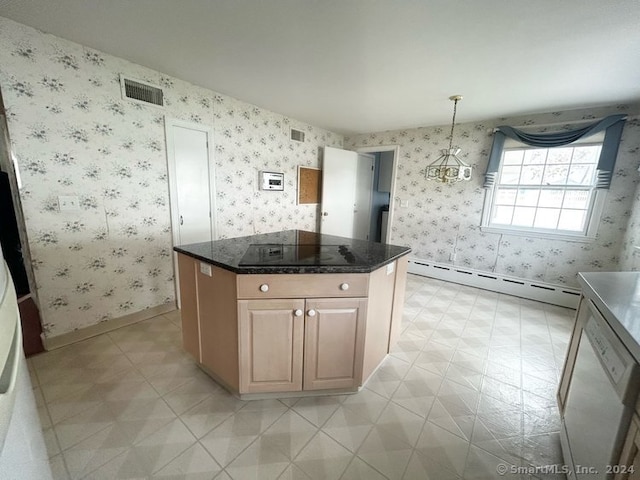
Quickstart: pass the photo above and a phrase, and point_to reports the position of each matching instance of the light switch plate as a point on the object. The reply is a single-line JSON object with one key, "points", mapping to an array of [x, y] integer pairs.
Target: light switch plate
{"points": [[68, 203], [205, 269]]}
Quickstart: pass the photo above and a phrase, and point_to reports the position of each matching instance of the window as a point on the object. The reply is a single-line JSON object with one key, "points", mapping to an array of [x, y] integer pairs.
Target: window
{"points": [[550, 184], [548, 192]]}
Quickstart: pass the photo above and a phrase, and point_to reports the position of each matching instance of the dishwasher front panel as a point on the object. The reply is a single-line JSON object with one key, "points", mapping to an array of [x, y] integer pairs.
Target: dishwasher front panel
{"points": [[596, 418]]}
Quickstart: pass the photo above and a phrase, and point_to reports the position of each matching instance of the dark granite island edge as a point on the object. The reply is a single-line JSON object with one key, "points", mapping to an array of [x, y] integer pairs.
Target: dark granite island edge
{"points": [[294, 251]]}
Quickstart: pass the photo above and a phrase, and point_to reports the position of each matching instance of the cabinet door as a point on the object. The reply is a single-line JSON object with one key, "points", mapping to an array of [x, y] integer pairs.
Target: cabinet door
{"points": [[333, 348], [270, 338]]}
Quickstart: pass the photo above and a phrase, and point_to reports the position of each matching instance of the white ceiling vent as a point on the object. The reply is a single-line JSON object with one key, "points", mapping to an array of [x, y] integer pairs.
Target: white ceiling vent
{"points": [[141, 92], [297, 135]]}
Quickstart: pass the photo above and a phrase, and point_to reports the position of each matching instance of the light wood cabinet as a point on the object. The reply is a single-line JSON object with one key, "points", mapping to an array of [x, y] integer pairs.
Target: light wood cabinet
{"points": [[279, 337], [207, 334], [303, 286], [271, 345], [268, 333], [333, 343]]}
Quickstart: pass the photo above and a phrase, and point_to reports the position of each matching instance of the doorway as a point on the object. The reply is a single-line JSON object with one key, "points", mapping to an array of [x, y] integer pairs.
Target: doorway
{"points": [[357, 192], [383, 188], [13, 239], [191, 184]]}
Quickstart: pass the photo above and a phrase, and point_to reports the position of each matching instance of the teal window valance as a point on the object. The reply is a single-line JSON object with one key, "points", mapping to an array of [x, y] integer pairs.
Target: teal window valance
{"points": [[611, 125]]}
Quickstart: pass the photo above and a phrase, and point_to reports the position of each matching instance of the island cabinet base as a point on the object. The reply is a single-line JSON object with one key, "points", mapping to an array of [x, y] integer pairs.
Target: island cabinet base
{"points": [[289, 334]]}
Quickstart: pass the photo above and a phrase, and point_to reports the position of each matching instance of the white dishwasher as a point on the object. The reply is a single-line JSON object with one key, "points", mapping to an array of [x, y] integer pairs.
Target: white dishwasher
{"points": [[23, 455], [600, 401]]}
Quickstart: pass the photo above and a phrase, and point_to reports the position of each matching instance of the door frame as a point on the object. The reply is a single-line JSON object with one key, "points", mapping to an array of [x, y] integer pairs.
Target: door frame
{"points": [[394, 170], [169, 123]]}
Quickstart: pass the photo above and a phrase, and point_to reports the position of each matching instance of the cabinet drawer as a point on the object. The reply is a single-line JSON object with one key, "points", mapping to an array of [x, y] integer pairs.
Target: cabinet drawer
{"points": [[303, 285]]}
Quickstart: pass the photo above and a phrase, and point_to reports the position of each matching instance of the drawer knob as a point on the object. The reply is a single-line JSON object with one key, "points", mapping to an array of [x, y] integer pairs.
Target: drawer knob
{"points": [[298, 313], [264, 287], [311, 313], [344, 286]]}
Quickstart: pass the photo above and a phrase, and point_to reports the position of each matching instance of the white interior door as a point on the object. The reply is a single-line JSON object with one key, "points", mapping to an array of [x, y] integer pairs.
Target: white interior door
{"points": [[339, 173], [364, 187], [193, 209], [191, 185]]}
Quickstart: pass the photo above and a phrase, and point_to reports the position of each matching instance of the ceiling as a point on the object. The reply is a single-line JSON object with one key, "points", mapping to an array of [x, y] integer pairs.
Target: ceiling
{"points": [[355, 66]]}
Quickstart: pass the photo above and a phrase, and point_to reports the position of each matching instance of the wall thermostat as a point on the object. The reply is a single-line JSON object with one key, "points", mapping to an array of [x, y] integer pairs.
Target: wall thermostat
{"points": [[271, 181]]}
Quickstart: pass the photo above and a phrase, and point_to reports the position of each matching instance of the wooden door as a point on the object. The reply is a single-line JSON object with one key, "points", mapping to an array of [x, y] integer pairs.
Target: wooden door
{"points": [[333, 348], [270, 339]]}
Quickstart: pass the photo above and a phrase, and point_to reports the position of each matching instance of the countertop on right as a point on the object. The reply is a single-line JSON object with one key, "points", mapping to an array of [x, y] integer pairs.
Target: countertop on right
{"points": [[617, 296]]}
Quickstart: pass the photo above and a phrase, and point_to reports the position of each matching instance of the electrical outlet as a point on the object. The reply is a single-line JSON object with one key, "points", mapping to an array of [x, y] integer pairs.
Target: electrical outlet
{"points": [[404, 203], [205, 269], [452, 257], [68, 203]]}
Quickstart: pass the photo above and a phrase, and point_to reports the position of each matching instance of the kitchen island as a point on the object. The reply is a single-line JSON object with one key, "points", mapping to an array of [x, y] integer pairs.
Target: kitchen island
{"points": [[290, 313]]}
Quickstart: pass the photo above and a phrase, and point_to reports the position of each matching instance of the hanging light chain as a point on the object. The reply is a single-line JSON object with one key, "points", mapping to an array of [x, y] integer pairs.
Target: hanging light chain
{"points": [[455, 99]]}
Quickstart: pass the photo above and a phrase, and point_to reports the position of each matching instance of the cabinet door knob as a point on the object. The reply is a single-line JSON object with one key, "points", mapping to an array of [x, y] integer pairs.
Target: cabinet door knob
{"points": [[311, 313], [344, 286], [264, 287], [298, 313]]}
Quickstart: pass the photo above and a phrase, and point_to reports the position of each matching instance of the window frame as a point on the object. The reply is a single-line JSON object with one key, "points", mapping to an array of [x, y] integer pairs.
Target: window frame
{"points": [[594, 212]]}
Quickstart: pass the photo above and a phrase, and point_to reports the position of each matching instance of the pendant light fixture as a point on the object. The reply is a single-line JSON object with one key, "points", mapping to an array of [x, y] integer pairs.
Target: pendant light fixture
{"points": [[448, 168]]}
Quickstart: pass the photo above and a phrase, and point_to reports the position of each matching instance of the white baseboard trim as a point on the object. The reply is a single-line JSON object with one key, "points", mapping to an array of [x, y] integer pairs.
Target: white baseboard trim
{"points": [[519, 287], [106, 326]]}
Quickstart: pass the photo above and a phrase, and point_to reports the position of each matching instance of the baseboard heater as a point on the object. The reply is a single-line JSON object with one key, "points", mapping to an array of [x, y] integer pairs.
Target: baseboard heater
{"points": [[519, 287]]}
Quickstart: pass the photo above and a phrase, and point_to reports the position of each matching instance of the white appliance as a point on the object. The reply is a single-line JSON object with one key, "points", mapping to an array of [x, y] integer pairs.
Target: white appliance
{"points": [[599, 403], [384, 225], [271, 181], [23, 455]]}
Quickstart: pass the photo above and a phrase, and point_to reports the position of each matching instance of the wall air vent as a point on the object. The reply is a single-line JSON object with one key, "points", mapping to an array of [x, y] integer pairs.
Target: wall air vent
{"points": [[141, 92], [297, 135]]}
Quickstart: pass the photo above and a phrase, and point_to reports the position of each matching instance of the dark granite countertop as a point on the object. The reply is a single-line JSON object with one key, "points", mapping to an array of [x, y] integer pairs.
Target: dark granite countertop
{"points": [[294, 251]]}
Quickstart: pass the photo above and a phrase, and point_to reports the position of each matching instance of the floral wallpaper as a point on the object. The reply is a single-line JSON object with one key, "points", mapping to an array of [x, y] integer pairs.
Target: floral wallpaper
{"points": [[443, 219], [630, 256], [74, 135]]}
